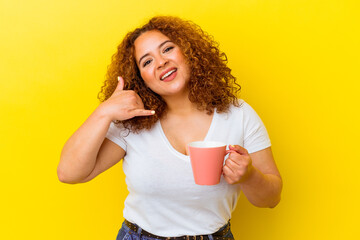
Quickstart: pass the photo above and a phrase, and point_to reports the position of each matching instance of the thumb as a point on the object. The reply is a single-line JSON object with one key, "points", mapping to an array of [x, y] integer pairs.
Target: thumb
{"points": [[120, 85]]}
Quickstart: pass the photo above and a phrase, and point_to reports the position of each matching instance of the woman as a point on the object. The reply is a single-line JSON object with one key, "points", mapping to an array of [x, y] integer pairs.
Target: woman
{"points": [[168, 85]]}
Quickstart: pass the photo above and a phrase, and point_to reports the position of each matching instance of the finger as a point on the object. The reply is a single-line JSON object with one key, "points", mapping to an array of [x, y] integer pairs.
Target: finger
{"points": [[228, 175], [227, 170], [235, 156], [232, 163], [239, 149], [120, 85], [230, 151], [228, 179], [142, 112]]}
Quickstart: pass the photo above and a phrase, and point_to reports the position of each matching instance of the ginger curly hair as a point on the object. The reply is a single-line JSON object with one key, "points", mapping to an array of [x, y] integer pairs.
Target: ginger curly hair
{"points": [[211, 84]]}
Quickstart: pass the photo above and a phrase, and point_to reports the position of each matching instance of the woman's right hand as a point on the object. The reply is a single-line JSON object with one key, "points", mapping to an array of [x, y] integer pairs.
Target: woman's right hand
{"points": [[123, 104]]}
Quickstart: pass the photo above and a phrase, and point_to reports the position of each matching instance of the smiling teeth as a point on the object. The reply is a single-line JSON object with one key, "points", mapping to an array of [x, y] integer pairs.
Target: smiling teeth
{"points": [[167, 74]]}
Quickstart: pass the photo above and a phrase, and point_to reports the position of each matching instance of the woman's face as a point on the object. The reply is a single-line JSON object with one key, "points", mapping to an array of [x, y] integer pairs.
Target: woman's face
{"points": [[161, 63]]}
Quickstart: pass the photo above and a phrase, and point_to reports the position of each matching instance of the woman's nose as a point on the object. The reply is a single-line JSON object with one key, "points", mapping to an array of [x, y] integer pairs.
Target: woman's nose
{"points": [[162, 62]]}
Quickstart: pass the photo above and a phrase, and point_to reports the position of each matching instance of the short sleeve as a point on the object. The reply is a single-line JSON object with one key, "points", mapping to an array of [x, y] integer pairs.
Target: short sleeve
{"points": [[256, 136], [115, 134]]}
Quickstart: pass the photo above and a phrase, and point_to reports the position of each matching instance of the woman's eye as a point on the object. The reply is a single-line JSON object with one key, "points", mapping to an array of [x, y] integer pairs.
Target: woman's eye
{"points": [[146, 63], [168, 49]]}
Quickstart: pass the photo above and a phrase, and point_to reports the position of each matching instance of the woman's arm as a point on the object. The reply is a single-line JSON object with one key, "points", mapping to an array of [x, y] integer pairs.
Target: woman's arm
{"points": [[257, 175], [86, 148], [87, 153]]}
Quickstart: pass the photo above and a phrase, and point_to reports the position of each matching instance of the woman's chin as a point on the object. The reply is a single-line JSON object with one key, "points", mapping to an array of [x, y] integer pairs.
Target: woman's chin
{"points": [[174, 89]]}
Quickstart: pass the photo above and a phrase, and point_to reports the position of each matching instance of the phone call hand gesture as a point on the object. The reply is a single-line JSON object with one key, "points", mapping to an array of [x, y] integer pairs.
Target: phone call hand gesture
{"points": [[124, 104]]}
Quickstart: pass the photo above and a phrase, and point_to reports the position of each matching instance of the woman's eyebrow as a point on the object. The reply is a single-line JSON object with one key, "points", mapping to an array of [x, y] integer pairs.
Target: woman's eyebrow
{"points": [[147, 54]]}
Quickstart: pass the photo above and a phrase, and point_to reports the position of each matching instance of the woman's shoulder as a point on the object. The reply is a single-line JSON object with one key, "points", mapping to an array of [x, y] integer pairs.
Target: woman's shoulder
{"points": [[240, 106], [243, 110], [235, 110]]}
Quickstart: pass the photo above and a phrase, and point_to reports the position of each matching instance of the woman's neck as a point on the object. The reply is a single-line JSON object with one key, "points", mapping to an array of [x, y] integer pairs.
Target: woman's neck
{"points": [[180, 105]]}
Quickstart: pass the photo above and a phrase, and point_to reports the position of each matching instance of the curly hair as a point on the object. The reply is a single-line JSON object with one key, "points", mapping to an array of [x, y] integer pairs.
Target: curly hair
{"points": [[211, 85]]}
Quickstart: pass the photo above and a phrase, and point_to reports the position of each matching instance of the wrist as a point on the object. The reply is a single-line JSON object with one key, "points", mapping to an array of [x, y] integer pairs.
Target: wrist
{"points": [[251, 176], [101, 113]]}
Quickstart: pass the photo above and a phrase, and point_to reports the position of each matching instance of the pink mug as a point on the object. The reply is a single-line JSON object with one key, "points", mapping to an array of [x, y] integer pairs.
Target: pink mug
{"points": [[207, 160]]}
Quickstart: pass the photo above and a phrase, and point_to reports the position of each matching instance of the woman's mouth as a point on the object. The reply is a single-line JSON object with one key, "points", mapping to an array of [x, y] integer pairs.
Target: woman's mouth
{"points": [[169, 75]]}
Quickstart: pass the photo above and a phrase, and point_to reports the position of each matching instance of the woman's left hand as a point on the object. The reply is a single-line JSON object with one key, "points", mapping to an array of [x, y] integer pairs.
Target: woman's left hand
{"points": [[238, 166]]}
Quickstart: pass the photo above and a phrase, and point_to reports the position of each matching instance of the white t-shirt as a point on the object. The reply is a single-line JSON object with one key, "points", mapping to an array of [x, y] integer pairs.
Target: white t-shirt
{"points": [[163, 197]]}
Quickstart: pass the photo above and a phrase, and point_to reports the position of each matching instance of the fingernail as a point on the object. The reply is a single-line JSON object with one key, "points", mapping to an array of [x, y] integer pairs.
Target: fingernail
{"points": [[119, 78], [153, 112], [232, 146]]}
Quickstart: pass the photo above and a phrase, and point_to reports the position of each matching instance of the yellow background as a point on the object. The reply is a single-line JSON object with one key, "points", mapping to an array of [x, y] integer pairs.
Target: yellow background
{"points": [[298, 64]]}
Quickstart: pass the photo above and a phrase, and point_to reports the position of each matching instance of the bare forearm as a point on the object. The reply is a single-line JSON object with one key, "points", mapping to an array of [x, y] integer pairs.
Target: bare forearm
{"points": [[262, 190], [78, 156]]}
